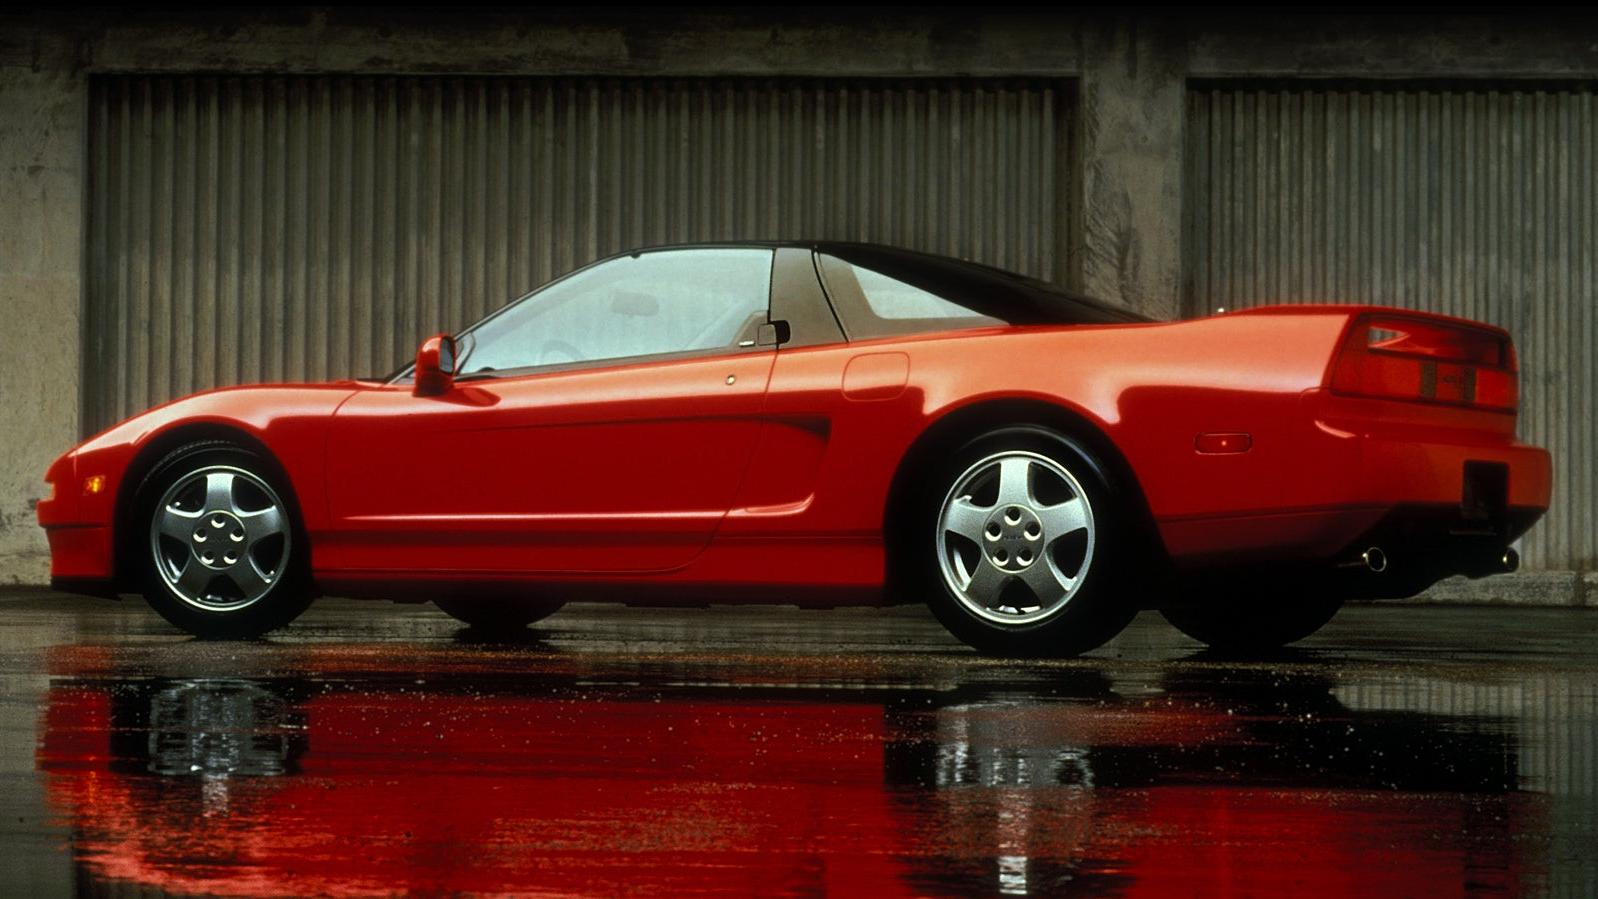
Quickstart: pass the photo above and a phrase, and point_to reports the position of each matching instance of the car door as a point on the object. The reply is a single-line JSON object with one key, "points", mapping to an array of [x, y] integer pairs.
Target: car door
{"points": [[841, 406], [602, 424]]}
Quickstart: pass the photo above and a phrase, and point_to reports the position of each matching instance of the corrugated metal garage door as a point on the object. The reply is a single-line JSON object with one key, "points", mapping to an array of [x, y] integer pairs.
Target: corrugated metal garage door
{"points": [[1476, 201], [266, 228]]}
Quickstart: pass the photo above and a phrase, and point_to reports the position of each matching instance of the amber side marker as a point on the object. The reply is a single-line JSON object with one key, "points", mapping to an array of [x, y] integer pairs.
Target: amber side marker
{"points": [[1222, 444]]}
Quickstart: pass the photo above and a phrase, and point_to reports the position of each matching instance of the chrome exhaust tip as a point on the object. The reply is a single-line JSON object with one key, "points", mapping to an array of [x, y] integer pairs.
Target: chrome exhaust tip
{"points": [[1510, 561], [1374, 559]]}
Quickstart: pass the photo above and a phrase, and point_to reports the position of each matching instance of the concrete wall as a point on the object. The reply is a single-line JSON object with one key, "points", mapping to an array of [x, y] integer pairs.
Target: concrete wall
{"points": [[41, 263], [1132, 70]]}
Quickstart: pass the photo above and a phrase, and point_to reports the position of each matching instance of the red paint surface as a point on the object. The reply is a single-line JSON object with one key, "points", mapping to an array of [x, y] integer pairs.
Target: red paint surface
{"points": [[594, 791], [666, 474]]}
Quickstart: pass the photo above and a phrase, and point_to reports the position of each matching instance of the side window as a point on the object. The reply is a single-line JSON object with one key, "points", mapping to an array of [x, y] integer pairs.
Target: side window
{"points": [[872, 303], [656, 303]]}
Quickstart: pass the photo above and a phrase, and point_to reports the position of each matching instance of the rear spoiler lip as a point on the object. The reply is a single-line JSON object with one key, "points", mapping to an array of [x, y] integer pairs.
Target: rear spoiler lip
{"points": [[1354, 310]]}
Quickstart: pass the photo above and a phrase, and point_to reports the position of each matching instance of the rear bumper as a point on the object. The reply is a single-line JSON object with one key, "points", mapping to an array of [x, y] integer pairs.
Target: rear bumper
{"points": [[1421, 473], [1387, 476]]}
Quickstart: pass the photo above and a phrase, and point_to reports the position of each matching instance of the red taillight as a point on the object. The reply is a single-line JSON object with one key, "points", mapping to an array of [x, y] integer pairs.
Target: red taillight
{"points": [[1397, 357]]}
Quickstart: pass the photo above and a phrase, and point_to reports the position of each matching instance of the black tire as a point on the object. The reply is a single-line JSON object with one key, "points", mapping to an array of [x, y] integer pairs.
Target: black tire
{"points": [[1092, 613], [498, 614], [289, 590], [1255, 622]]}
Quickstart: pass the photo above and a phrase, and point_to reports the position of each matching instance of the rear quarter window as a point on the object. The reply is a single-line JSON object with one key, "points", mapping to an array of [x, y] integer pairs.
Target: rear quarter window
{"points": [[874, 304]]}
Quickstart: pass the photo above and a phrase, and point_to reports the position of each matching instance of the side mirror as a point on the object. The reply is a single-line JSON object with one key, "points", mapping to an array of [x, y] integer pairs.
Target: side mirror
{"points": [[435, 366]]}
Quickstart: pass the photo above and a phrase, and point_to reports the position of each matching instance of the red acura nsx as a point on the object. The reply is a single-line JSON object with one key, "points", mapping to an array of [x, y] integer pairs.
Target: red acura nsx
{"points": [[830, 424]]}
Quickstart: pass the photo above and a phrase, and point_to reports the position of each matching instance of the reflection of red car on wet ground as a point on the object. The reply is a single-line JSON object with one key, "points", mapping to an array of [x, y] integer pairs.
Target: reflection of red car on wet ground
{"points": [[814, 423], [483, 784]]}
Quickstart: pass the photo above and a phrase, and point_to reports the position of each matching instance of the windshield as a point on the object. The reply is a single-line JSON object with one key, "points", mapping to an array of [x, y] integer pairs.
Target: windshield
{"points": [[651, 304]]}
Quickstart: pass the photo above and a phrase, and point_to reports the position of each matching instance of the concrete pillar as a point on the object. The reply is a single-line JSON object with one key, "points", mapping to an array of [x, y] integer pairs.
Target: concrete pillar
{"points": [[1133, 103], [42, 114]]}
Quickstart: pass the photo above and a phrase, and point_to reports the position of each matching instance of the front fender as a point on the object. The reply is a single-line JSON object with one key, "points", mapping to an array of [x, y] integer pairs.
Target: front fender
{"points": [[289, 421]]}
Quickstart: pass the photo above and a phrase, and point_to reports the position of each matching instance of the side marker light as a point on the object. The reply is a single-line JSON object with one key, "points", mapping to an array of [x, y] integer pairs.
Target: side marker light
{"points": [[1222, 444]]}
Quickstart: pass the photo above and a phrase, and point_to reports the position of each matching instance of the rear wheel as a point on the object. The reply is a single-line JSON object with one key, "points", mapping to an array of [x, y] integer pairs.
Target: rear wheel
{"points": [[221, 551], [1255, 622], [1019, 545], [498, 614]]}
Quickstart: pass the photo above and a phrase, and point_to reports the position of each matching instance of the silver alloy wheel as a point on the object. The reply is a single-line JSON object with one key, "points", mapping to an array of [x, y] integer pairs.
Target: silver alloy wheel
{"points": [[220, 538], [985, 547]]}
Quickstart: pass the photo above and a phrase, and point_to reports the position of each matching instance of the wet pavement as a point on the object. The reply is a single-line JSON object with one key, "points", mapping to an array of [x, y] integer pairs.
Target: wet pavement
{"points": [[375, 749]]}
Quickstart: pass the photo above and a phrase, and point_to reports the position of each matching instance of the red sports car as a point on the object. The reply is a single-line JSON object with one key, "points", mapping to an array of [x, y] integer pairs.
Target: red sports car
{"points": [[830, 424]]}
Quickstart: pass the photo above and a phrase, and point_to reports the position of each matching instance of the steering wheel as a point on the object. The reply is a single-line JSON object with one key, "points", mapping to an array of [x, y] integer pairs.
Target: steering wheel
{"points": [[560, 347]]}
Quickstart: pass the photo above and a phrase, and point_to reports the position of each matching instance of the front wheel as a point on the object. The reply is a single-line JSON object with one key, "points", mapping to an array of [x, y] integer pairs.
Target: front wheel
{"points": [[1255, 623], [1020, 544], [222, 553]]}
